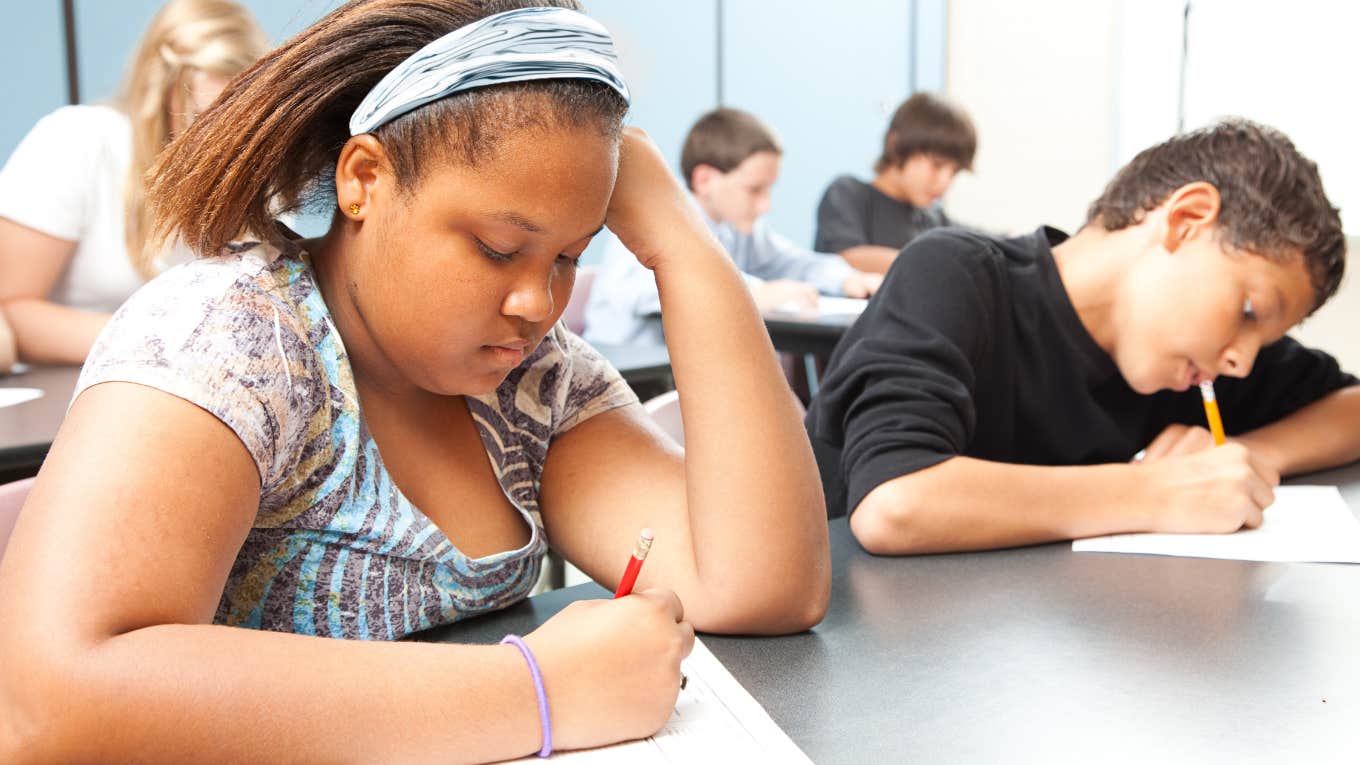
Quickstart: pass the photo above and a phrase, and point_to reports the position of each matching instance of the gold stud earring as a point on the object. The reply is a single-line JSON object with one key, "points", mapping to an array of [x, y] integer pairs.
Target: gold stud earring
{"points": [[354, 208]]}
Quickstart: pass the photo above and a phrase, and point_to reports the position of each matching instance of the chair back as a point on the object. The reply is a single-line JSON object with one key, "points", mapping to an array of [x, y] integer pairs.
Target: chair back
{"points": [[665, 412], [12, 496], [575, 315]]}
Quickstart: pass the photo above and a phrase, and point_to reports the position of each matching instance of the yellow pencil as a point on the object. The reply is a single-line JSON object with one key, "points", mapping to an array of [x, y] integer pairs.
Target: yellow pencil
{"points": [[1206, 389]]}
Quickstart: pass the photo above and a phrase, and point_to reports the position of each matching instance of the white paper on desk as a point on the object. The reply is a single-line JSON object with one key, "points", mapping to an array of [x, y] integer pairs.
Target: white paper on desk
{"points": [[715, 721], [828, 306], [1307, 524], [12, 396]]}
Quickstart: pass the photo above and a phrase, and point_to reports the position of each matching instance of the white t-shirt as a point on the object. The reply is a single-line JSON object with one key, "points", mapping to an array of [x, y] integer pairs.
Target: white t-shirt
{"points": [[66, 180]]}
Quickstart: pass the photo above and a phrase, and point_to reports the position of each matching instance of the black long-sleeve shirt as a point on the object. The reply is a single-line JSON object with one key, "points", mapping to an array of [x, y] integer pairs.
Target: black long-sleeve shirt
{"points": [[972, 347]]}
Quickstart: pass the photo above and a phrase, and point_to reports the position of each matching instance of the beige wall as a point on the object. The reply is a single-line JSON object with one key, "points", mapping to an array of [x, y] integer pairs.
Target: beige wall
{"points": [[1036, 76], [1044, 81], [1333, 328]]}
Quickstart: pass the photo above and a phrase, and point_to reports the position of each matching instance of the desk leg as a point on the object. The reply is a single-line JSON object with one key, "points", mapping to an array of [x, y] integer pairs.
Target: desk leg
{"points": [[810, 369], [553, 574]]}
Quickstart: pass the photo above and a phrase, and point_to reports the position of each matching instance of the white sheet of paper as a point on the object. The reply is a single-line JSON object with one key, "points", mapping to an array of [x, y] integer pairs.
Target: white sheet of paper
{"points": [[12, 396], [1307, 524], [715, 720], [828, 306]]}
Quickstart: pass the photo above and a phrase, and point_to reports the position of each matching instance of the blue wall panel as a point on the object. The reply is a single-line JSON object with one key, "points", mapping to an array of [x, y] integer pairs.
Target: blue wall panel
{"points": [[931, 38], [668, 53], [33, 63], [826, 78], [107, 34]]}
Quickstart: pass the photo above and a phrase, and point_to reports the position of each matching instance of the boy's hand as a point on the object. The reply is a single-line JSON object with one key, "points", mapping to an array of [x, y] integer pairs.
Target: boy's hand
{"points": [[649, 211], [1177, 440], [1215, 491], [784, 295], [861, 284]]}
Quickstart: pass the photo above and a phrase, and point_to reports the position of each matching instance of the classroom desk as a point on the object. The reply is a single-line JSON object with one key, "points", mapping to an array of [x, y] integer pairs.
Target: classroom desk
{"points": [[27, 429], [1044, 655], [802, 332], [809, 334]]}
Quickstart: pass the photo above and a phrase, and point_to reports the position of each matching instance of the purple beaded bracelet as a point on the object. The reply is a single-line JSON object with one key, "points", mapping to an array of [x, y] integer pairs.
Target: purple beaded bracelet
{"points": [[543, 717]]}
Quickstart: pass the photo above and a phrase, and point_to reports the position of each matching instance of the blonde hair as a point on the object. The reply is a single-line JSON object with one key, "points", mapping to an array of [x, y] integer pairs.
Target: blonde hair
{"points": [[215, 37]]}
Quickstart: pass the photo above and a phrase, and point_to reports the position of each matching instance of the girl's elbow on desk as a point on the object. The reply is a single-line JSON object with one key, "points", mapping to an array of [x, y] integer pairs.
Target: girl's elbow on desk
{"points": [[783, 617], [777, 602]]}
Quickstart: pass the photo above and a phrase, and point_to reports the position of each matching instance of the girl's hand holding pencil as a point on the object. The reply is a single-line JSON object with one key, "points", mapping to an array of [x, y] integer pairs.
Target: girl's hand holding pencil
{"points": [[611, 668]]}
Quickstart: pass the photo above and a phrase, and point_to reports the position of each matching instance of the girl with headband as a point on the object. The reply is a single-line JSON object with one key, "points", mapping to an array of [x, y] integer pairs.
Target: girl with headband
{"points": [[381, 430]]}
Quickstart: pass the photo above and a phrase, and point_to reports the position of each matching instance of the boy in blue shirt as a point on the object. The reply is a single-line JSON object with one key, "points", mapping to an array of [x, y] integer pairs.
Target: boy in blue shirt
{"points": [[997, 391], [730, 160]]}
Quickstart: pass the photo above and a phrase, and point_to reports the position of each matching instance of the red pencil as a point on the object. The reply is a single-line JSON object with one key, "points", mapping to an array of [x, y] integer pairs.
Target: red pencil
{"points": [[630, 574]]}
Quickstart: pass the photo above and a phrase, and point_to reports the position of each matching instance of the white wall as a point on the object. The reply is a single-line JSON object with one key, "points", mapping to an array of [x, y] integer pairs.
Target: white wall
{"points": [[1290, 65], [1065, 91], [1036, 76]]}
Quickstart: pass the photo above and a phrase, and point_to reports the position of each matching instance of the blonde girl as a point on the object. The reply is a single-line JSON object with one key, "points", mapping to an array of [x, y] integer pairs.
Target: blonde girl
{"points": [[73, 218]]}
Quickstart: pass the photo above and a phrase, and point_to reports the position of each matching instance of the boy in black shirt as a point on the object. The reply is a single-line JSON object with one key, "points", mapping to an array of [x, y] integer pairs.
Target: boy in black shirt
{"points": [[929, 140], [995, 392]]}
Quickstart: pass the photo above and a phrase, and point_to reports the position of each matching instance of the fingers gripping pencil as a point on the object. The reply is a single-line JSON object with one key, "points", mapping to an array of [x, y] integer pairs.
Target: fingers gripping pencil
{"points": [[630, 575]]}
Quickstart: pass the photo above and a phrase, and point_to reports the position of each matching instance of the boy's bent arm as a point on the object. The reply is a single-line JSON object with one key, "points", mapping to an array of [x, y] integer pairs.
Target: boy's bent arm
{"points": [[870, 257], [970, 504], [1323, 434]]}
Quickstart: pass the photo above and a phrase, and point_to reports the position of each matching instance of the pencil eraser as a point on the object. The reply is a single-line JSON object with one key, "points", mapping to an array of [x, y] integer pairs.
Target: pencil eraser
{"points": [[646, 534]]}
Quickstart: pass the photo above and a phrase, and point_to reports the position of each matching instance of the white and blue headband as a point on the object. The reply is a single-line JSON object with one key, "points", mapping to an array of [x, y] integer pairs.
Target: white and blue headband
{"points": [[514, 46]]}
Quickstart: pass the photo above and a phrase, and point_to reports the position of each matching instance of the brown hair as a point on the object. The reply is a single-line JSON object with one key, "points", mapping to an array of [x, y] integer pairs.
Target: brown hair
{"points": [[928, 124], [1272, 202], [270, 143], [186, 36], [723, 139]]}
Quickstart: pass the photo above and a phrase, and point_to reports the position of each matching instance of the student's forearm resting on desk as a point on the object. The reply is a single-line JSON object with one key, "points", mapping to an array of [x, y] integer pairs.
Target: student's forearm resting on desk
{"points": [[870, 257], [51, 333], [739, 516], [31, 263], [971, 504], [1324, 434], [7, 352]]}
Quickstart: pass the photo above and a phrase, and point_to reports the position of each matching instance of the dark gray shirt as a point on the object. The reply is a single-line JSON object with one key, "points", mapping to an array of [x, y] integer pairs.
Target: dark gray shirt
{"points": [[854, 213]]}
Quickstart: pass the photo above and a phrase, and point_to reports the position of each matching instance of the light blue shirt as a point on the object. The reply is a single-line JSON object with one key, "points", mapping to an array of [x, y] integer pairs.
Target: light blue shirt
{"points": [[624, 305]]}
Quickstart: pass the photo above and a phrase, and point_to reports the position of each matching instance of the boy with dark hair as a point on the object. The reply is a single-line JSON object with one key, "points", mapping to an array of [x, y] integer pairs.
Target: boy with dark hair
{"points": [[997, 392], [730, 160], [929, 140]]}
